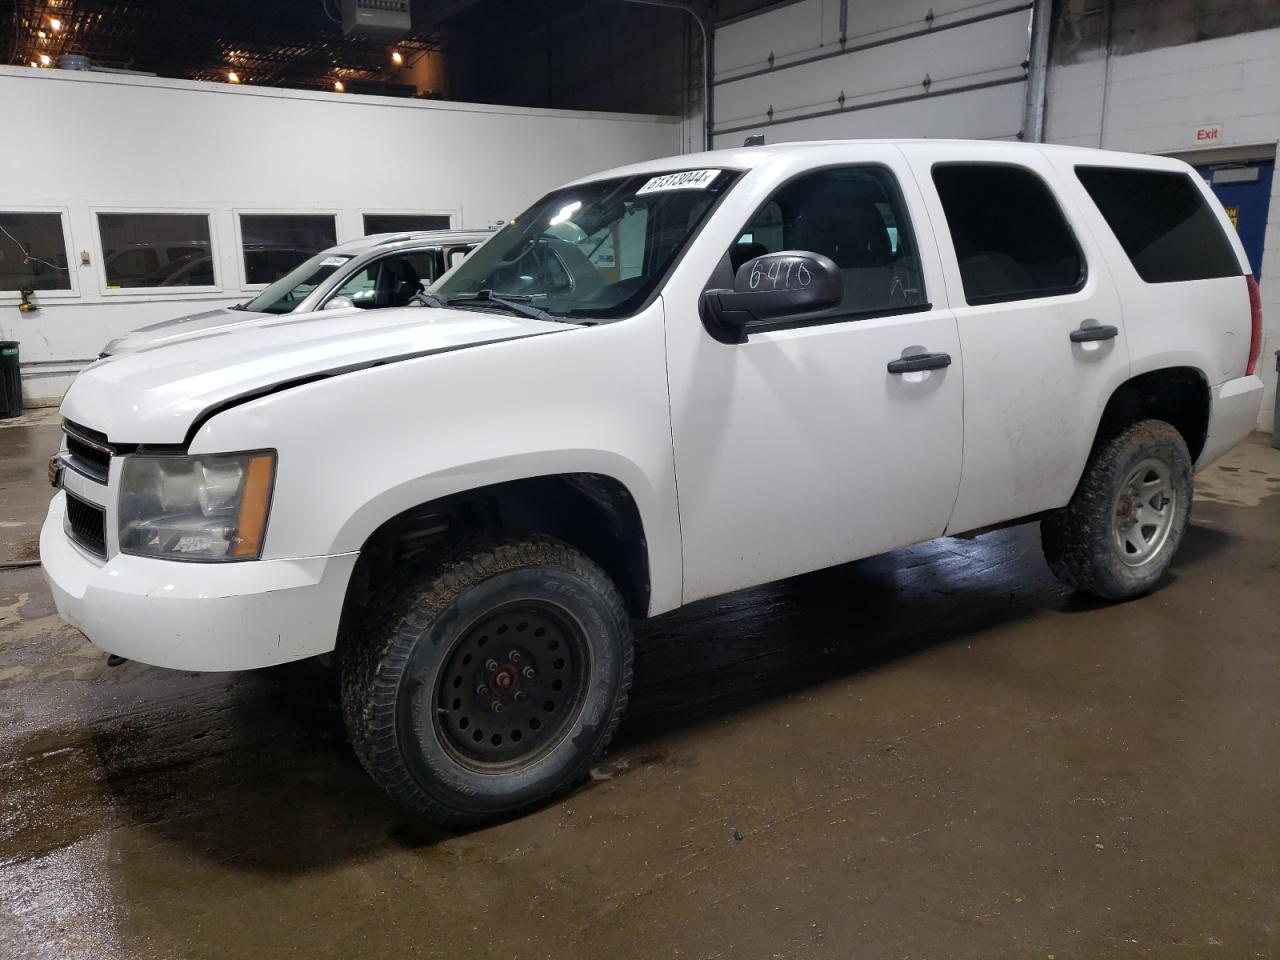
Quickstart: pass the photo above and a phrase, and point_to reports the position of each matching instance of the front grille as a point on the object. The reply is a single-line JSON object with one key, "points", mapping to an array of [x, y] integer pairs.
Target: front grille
{"points": [[88, 451], [87, 525]]}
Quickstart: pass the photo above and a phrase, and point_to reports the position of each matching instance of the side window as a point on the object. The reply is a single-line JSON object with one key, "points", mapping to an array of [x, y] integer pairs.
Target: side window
{"points": [[1163, 223], [33, 252], [765, 230], [360, 286], [389, 282], [1010, 236], [424, 266], [855, 216]]}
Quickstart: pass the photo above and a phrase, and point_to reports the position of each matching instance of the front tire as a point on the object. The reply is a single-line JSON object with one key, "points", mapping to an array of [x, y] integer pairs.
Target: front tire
{"points": [[1118, 535], [491, 685]]}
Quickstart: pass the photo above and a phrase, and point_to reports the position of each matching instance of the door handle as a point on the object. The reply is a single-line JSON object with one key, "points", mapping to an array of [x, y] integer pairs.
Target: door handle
{"points": [[1087, 334], [920, 361]]}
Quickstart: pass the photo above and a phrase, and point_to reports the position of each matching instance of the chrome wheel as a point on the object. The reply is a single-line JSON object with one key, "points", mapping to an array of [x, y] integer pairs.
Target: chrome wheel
{"points": [[1144, 512]]}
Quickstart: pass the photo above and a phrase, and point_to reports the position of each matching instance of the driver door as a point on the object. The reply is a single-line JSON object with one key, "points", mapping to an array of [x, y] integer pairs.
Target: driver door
{"points": [[798, 449]]}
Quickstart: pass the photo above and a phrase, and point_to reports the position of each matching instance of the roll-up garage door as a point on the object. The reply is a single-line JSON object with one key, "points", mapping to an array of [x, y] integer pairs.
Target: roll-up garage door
{"points": [[912, 68]]}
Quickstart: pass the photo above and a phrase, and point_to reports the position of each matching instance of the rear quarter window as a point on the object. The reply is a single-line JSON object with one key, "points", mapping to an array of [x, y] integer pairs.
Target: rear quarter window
{"points": [[1163, 223]]}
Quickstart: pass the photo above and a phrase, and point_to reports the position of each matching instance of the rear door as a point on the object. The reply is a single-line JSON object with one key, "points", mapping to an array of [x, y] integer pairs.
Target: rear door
{"points": [[1040, 325]]}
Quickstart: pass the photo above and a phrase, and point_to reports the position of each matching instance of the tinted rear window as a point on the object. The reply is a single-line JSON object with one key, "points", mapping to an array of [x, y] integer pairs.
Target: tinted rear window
{"points": [[1011, 239], [1163, 223]]}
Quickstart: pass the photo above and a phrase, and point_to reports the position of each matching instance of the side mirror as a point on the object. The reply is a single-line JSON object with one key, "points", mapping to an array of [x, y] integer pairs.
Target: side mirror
{"points": [[339, 303], [777, 286]]}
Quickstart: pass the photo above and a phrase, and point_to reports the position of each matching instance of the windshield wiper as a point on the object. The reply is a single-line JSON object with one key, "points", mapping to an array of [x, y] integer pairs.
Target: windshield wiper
{"points": [[428, 299], [512, 303]]}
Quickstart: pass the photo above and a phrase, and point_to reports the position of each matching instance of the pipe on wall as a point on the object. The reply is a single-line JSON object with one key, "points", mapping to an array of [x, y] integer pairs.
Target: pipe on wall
{"points": [[1037, 71], [708, 58]]}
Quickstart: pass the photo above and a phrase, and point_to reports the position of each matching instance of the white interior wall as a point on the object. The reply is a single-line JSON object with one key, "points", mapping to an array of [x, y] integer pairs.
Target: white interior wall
{"points": [[972, 54], [102, 142], [1155, 101]]}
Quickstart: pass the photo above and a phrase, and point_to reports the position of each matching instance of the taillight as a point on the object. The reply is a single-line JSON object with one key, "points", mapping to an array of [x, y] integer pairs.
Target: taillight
{"points": [[1255, 318]]}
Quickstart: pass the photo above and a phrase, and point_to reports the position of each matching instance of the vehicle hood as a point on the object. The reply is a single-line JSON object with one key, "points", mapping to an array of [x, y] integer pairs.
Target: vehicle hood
{"points": [[155, 394], [169, 330]]}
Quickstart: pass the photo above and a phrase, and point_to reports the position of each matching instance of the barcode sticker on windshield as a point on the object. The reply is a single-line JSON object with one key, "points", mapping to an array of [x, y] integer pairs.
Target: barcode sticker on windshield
{"points": [[685, 180], [333, 261]]}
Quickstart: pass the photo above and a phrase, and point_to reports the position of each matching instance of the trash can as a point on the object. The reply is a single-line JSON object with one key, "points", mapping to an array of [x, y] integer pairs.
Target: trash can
{"points": [[10, 380]]}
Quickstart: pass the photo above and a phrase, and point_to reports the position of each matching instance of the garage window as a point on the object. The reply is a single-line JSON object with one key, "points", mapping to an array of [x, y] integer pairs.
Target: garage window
{"points": [[273, 244], [33, 252], [855, 216], [1010, 236], [1163, 223], [156, 250], [404, 222]]}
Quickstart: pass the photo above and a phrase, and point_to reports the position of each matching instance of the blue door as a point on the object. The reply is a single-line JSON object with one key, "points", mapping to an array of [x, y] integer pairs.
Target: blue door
{"points": [[1245, 190]]}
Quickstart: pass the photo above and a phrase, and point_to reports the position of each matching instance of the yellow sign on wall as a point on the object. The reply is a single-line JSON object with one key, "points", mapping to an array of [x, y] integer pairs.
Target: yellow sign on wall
{"points": [[1233, 213]]}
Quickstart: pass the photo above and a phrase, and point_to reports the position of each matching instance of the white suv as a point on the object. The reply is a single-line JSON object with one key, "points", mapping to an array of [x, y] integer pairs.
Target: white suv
{"points": [[659, 383]]}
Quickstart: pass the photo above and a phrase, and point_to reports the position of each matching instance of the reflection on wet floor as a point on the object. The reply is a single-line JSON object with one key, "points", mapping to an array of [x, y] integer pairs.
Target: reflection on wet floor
{"points": [[939, 752]]}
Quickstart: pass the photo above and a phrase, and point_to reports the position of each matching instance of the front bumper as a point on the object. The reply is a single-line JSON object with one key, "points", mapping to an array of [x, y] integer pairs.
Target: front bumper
{"points": [[196, 616], [1233, 415]]}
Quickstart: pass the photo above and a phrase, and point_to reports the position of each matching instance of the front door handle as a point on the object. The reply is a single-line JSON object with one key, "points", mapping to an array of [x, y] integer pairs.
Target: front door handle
{"points": [[920, 361], [1098, 332]]}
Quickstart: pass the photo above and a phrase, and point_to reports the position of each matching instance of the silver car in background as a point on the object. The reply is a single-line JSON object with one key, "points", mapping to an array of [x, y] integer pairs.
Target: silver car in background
{"points": [[381, 270]]}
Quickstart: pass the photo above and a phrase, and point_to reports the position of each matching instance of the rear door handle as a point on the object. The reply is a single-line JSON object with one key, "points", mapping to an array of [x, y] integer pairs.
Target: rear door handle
{"points": [[920, 361], [1099, 332]]}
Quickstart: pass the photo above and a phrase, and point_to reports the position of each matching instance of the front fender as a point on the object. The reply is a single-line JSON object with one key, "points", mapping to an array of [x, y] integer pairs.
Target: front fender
{"points": [[357, 449], [661, 536]]}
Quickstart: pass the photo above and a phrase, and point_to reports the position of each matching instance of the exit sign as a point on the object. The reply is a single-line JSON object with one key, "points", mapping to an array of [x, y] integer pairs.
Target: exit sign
{"points": [[1208, 134]]}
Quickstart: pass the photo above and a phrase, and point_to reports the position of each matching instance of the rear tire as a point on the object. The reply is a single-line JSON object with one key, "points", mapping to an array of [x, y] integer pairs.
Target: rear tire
{"points": [[492, 684], [1118, 535]]}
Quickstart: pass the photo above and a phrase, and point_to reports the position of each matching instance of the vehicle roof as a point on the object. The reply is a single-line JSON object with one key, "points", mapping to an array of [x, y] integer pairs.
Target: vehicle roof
{"points": [[746, 158], [378, 241]]}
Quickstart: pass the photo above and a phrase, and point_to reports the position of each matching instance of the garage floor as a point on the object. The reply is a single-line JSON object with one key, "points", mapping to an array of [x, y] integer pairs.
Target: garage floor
{"points": [[938, 753]]}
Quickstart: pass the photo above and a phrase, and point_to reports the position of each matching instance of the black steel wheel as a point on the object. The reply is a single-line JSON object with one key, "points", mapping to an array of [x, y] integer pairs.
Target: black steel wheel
{"points": [[493, 684], [511, 686]]}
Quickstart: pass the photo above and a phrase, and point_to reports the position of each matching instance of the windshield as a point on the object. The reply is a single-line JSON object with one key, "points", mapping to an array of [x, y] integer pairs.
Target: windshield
{"points": [[285, 294], [595, 250]]}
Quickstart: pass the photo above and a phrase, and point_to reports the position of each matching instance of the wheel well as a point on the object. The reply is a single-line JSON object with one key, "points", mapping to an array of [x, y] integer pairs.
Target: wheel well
{"points": [[591, 512], [1177, 395]]}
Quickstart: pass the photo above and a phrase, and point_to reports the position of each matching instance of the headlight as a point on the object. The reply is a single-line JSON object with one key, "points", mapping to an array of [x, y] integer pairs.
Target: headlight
{"points": [[211, 507]]}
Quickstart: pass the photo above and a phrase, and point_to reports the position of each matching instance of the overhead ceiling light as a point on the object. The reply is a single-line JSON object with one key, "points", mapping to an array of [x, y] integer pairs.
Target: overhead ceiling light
{"points": [[397, 57], [339, 86], [44, 60], [55, 24], [233, 77]]}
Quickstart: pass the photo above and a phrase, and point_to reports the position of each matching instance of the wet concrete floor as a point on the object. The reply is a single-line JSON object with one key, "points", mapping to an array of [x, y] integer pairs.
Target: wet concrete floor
{"points": [[937, 753]]}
